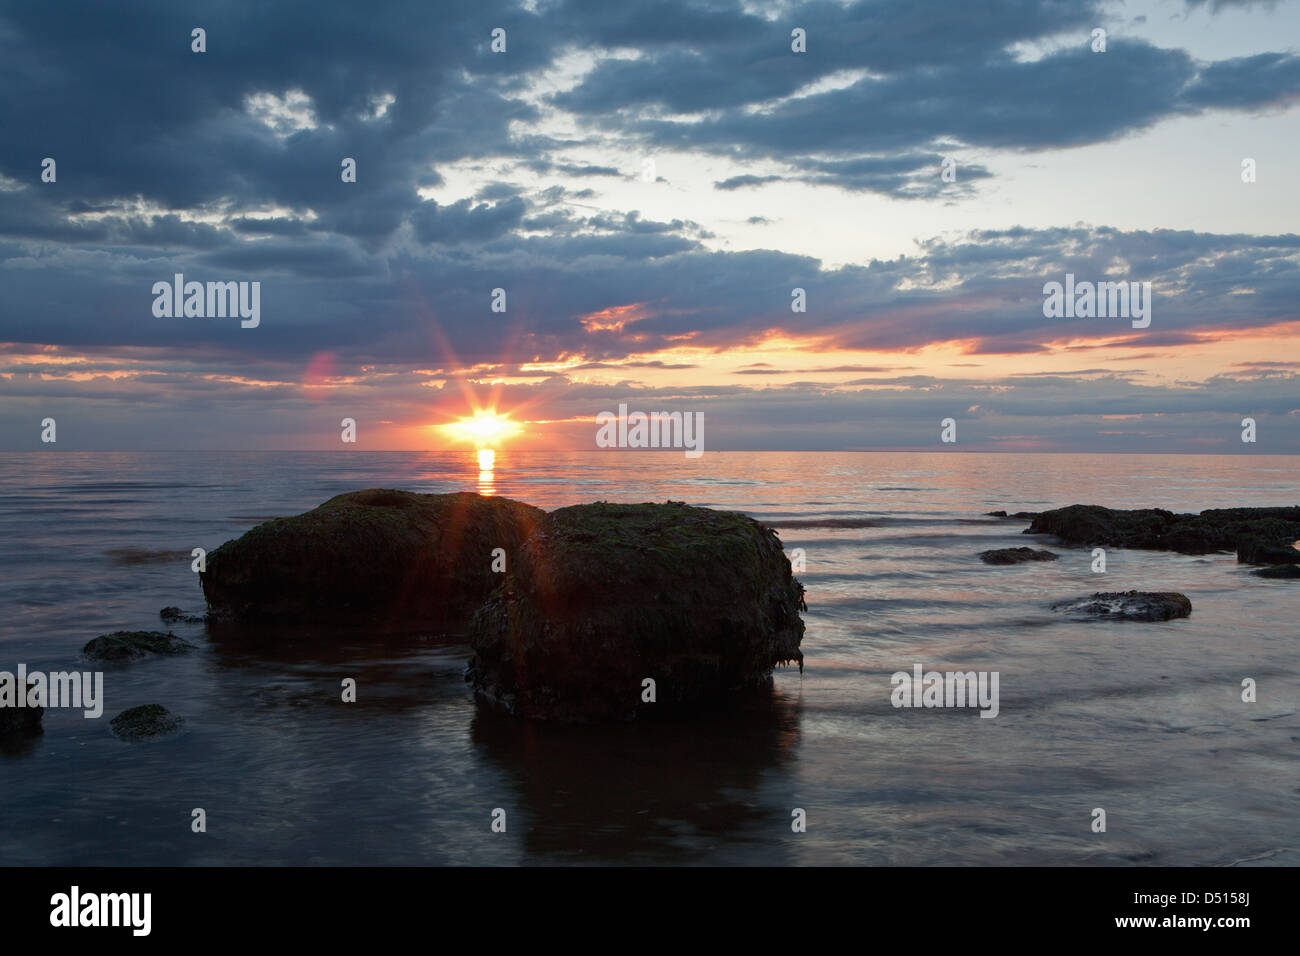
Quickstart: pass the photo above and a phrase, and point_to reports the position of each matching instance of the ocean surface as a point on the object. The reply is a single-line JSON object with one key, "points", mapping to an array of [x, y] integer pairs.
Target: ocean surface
{"points": [[1144, 720]]}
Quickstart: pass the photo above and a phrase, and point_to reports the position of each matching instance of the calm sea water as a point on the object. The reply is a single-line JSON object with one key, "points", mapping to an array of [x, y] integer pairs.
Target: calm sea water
{"points": [[1142, 719]]}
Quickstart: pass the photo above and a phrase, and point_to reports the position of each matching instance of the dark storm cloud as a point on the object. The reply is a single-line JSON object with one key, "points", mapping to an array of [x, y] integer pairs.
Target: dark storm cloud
{"points": [[726, 58], [116, 96], [427, 307], [1068, 98], [166, 165], [127, 110], [932, 79], [463, 222]]}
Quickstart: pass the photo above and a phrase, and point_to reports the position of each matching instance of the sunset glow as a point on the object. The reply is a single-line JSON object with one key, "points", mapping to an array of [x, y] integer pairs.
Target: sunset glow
{"points": [[486, 429]]}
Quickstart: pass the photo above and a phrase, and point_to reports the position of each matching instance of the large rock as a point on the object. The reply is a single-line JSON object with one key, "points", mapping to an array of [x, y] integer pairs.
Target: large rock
{"points": [[1130, 605], [383, 558], [604, 596], [1222, 529]]}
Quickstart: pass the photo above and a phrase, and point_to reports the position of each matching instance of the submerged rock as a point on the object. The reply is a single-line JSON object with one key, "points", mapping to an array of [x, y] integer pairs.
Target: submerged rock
{"points": [[145, 722], [132, 645], [174, 615], [1130, 605], [384, 558], [605, 596], [1015, 556], [20, 723], [1221, 529]]}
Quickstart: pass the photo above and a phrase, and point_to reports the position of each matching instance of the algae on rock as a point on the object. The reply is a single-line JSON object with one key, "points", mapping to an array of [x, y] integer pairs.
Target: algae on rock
{"points": [[605, 596], [387, 558]]}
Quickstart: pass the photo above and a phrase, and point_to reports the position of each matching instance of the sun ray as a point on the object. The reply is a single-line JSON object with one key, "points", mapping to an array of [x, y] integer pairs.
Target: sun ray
{"points": [[486, 429]]}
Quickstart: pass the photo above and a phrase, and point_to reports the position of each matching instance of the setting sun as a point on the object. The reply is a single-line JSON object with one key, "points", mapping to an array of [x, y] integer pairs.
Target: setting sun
{"points": [[484, 429]]}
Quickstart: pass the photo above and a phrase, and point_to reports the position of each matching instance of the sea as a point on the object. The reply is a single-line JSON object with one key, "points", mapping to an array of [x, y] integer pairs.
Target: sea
{"points": [[1150, 723]]}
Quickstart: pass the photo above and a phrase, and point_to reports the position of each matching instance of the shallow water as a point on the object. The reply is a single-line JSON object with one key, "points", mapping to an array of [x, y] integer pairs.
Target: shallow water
{"points": [[1142, 719]]}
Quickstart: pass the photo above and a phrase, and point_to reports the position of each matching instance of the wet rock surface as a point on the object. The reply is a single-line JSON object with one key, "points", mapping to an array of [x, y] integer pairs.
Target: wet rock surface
{"points": [[174, 615], [604, 596], [1129, 605], [1015, 555], [18, 724], [1259, 535], [122, 646], [1278, 571], [385, 558], [146, 722]]}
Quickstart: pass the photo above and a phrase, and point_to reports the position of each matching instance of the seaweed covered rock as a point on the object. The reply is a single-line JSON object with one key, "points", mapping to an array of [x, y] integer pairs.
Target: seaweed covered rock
{"points": [[386, 558], [121, 646], [1130, 605], [605, 596], [1015, 555], [146, 722], [1221, 529]]}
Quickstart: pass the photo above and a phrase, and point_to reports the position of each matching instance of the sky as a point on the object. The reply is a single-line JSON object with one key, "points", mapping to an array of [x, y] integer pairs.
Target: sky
{"points": [[648, 184]]}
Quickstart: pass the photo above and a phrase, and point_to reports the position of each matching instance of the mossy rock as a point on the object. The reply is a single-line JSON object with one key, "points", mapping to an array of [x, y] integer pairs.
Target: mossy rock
{"points": [[121, 646], [388, 559], [603, 596], [146, 722], [1248, 530]]}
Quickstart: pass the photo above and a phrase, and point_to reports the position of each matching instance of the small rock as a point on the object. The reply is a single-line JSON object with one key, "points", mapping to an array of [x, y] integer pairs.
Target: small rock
{"points": [[1130, 605], [132, 645], [19, 722], [1278, 571], [174, 615], [1016, 556], [1257, 551], [145, 722]]}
